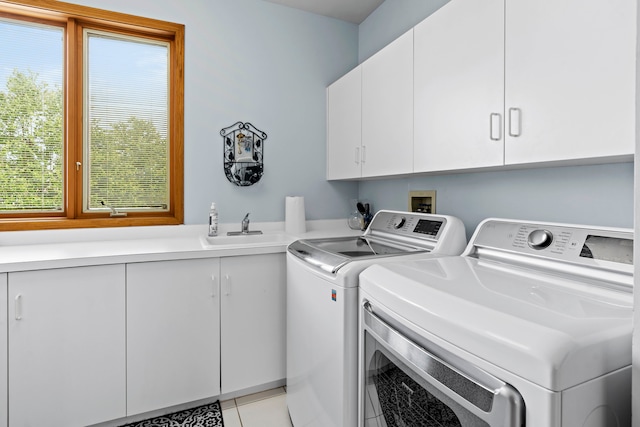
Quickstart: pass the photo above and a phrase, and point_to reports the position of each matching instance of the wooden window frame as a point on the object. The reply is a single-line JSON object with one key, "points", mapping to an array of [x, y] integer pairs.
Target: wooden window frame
{"points": [[74, 18]]}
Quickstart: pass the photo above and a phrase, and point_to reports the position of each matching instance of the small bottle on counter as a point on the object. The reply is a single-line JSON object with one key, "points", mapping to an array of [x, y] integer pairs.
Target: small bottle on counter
{"points": [[213, 220]]}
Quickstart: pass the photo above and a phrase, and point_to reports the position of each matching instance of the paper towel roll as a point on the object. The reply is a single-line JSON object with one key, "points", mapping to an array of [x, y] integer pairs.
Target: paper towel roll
{"points": [[294, 218]]}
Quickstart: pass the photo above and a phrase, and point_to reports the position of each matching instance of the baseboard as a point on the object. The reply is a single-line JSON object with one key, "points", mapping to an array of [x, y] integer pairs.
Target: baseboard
{"points": [[255, 389]]}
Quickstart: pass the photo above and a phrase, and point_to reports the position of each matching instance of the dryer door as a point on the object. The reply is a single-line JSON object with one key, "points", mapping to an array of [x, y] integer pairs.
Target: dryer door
{"points": [[411, 384]]}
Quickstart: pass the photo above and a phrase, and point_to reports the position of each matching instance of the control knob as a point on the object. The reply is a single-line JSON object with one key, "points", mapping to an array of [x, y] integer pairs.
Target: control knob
{"points": [[540, 239], [398, 222]]}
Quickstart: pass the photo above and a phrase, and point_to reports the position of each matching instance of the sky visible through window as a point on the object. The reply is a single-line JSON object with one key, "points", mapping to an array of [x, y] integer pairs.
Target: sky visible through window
{"points": [[132, 74], [128, 78], [31, 47]]}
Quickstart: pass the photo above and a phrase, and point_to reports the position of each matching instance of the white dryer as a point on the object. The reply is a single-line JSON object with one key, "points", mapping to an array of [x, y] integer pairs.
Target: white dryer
{"points": [[322, 307], [531, 326]]}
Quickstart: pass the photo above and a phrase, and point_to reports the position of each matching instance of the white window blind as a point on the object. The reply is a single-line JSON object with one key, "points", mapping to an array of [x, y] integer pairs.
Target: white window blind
{"points": [[126, 123], [31, 117]]}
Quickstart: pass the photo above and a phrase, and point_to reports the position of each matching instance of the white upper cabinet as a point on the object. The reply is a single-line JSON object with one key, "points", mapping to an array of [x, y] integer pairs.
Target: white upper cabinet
{"points": [[344, 124], [524, 82], [489, 83], [387, 110], [459, 87], [570, 79]]}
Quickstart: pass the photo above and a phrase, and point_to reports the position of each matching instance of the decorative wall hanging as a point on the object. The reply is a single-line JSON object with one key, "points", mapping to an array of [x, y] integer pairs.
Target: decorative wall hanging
{"points": [[243, 153]]}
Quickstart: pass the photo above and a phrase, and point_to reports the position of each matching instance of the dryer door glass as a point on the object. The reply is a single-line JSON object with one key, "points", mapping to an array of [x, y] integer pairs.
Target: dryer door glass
{"points": [[410, 384], [397, 397]]}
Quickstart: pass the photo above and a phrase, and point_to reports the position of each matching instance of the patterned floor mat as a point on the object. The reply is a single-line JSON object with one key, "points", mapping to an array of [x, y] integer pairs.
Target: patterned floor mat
{"points": [[202, 416]]}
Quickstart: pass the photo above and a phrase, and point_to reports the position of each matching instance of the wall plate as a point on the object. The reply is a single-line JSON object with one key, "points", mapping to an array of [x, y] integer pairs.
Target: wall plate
{"points": [[422, 201]]}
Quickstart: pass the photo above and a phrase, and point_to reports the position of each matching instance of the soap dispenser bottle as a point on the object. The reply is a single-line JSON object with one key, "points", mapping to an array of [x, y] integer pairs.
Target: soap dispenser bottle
{"points": [[213, 220]]}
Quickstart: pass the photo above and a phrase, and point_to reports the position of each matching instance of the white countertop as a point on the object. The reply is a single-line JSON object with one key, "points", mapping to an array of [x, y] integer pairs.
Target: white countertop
{"points": [[37, 250]]}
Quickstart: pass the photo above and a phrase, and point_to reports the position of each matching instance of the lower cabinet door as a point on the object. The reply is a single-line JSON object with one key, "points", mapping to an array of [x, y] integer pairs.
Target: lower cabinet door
{"points": [[4, 383], [253, 313], [173, 333], [66, 346]]}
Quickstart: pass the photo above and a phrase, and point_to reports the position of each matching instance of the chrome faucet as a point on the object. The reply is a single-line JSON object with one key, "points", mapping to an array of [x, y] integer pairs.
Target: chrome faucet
{"points": [[245, 229], [245, 224]]}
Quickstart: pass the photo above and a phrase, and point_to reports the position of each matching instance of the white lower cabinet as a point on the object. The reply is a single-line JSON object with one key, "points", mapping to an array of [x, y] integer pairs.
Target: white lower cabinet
{"points": [[253, 312], [4, 400], [173, 333], [66, 331], [91, 344]]}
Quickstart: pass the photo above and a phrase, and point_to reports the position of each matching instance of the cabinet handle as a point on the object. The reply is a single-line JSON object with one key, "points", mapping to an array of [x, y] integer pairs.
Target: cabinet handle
{"points": [[495, 127], [357, 158], [515, 122], [18, 307], [227, 284], [364, 153], [214, 288]]}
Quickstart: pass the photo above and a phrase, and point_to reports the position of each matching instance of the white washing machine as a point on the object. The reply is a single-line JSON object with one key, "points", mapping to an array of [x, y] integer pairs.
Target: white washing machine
{"points": [[322, 307], [531, 326]]}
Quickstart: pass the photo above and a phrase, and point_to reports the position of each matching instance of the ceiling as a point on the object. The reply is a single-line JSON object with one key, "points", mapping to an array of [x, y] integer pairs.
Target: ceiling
{"points": [[354, 11]]}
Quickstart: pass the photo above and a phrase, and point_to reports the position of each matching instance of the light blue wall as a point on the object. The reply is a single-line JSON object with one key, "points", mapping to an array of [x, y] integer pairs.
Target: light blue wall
{"points": [[250, 60], [593, 195], [597, 195], [390, 20]]}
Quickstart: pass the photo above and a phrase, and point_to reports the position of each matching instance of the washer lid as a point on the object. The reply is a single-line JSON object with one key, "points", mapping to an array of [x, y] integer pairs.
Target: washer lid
{"points": [[391, 233], [331, 254], [551, 330]]}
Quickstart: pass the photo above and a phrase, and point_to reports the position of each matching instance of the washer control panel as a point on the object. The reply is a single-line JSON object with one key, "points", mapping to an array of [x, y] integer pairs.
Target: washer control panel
{"points": [[565, 242], [399, 221], [408, 224]]}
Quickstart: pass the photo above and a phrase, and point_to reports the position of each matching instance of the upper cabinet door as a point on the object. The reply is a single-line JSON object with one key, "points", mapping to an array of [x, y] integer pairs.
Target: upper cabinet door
{"points": [[459, 87], [344, 116], [387, 109], [570, 79]]}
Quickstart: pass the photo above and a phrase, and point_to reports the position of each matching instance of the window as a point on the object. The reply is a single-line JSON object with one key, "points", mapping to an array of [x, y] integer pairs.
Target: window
{"points": [[126, 152], [91, 118], [31, 131]]}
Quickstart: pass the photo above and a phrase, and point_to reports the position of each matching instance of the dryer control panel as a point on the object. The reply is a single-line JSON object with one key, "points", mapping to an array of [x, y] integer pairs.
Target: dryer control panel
{"points": [[561, 242]]}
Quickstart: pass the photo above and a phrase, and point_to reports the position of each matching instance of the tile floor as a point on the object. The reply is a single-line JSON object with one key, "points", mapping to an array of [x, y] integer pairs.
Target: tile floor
{"points": [[264, 409]]}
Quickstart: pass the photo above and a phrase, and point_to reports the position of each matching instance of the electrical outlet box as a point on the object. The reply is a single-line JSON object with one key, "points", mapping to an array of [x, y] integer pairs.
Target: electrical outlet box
{"points": [[422, 201]]}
